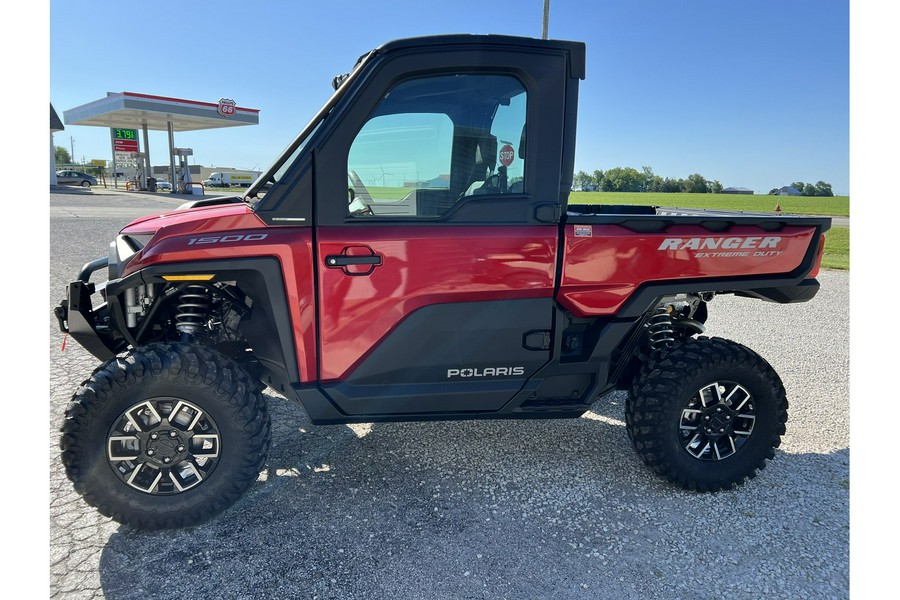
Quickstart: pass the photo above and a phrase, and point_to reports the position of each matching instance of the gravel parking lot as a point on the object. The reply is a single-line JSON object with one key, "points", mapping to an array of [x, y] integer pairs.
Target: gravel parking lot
{"points": [[495, 509]]}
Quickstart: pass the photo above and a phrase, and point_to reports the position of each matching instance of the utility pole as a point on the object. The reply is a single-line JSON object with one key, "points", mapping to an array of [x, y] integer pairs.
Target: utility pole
{"points": [[546, 19], [72, 145]]}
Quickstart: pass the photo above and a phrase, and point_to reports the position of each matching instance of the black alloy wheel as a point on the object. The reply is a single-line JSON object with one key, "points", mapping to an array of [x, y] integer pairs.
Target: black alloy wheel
{"points": [[163, 446], [706, 414], [717, 421], [166, 435]]}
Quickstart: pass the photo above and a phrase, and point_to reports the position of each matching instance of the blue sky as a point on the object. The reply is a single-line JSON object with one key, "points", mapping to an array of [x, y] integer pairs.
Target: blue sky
{"points": [[752, 94]]}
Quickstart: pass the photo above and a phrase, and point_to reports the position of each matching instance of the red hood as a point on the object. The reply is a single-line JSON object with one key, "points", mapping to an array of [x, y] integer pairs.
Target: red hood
{"points": [[189, 219], [171, 235]]}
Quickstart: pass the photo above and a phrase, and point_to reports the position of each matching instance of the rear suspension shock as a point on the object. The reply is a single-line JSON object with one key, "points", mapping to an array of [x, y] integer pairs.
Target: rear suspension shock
{"points": [[660, 329]]}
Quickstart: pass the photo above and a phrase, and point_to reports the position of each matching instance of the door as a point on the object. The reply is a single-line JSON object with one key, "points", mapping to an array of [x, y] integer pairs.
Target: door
{"points": [[435, 283]]}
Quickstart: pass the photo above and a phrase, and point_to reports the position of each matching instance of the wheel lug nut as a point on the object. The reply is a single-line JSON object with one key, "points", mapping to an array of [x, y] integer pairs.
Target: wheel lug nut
{"points": [[167, 460], [151, 452], [173, 433], [719, 409], [181, 448], [708, 430], [721, 431], [154, 436], [706, 417], [727, 418]]}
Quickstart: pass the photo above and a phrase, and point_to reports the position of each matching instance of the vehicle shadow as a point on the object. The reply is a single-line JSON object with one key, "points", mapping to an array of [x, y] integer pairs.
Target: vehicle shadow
{"points": [[482, 509]]}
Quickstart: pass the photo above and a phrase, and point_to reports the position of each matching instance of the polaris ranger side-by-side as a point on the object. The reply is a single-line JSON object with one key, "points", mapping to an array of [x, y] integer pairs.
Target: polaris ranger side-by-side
{"points": [[412, 255]]}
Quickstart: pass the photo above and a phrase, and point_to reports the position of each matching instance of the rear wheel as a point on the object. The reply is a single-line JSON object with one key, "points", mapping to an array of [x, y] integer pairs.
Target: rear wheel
{"points": [[165, 436], [85, 183], [707, 414]]}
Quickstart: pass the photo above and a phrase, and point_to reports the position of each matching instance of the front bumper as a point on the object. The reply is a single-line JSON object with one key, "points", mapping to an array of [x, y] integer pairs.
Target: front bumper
{"points": [[87, 325], [101, 328], [92, 326]]}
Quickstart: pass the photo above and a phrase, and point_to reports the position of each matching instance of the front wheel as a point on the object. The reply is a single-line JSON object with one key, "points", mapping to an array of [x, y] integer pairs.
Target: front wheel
{"points": [[86, 184], [165, 436], [707, 414]]}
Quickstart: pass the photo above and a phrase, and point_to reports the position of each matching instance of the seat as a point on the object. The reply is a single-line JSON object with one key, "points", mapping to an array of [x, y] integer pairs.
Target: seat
{"points": [[474, 159]]}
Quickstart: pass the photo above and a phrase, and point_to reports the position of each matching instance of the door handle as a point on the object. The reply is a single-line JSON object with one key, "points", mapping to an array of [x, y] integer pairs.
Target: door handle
{"points": [[342, 260], [355, 260]]}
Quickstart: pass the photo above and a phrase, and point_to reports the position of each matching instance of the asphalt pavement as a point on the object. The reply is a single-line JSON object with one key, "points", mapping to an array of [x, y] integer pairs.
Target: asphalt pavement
{"points": [[489, 509]]}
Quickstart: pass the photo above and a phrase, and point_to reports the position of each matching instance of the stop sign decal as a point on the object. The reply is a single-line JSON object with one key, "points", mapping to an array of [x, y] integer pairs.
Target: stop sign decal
{"points": [[507, 154]]}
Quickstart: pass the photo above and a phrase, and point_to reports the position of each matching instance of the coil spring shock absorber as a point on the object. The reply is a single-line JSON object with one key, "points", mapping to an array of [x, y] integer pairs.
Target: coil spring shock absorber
{"points": [[192, 311], [660, 330]]}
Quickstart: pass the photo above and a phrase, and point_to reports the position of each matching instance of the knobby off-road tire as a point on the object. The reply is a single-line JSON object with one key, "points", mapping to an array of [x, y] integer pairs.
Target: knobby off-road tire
{"points": [[707, 414], [165, 436]]}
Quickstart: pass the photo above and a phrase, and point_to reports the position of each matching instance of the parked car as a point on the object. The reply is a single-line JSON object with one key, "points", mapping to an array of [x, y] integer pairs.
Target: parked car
{"points": [[75, 178], [162, 184]]}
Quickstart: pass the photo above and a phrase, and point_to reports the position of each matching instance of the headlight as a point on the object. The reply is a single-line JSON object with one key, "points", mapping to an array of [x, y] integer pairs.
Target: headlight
{"points": [[122, 249], [137, 241]]}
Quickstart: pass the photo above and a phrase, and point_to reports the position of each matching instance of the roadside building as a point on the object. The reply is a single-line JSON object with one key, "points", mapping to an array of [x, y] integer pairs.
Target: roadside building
{"points": [[439, 182], [55, 125], [737, 190], [788, 190]]}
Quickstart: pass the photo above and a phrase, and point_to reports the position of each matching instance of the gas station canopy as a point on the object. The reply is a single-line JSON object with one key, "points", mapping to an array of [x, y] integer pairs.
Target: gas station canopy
{"points": [[132, 110], [126, 112]]}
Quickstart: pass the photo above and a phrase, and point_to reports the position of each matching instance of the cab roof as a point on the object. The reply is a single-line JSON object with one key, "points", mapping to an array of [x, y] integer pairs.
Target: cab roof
{"points": [[575, 50]]}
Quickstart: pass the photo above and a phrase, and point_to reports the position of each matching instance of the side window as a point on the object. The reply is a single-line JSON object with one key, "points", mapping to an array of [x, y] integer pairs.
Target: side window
{"points": [[395, 155], [436, 141]]}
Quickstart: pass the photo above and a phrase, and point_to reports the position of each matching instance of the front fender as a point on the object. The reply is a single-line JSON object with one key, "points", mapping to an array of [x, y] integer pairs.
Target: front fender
{"points": [[268, 329]]}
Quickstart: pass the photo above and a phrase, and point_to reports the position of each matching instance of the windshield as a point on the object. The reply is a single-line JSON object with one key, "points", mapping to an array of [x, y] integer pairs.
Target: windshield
{"points": [[264, 182], [289, 155]]}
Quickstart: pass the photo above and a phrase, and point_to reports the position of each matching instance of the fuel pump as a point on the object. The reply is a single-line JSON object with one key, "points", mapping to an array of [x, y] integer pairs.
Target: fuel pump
{"points": [[138, 163], [183, 176]]}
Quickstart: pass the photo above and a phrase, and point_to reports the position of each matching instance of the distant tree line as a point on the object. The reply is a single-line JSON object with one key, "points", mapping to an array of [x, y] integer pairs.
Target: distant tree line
{"points": [[820, 188], [628, 179]]}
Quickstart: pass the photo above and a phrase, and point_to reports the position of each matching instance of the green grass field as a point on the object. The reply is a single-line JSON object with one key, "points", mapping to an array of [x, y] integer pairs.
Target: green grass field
{"points": [[380, 193], [838, 206], [837, 249], [837, 240]]}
